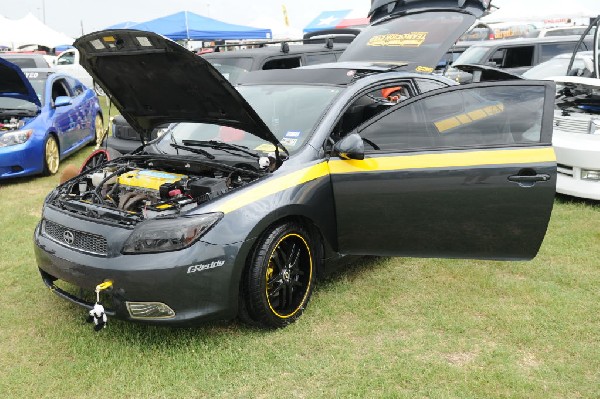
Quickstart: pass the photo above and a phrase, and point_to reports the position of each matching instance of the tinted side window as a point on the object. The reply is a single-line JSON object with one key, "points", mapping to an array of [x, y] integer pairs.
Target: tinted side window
{"points": [[550, 50], [518, 57], [488, 116], [322, 58], [426, 85], [282, 63]]}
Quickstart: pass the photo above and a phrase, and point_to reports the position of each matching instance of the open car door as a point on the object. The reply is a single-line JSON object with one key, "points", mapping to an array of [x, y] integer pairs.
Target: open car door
{"points": [[463, 172]]}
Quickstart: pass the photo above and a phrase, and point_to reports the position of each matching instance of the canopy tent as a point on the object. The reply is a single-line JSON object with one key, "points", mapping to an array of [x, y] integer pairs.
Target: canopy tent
{"points": [[337, 19], [551, 12], [279, 29], [123, 25], [186, 25], [30, 30]]}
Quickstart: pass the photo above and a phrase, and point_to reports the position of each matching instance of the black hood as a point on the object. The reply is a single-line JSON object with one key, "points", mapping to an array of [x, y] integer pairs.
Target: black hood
{"points": [[153, 80]]}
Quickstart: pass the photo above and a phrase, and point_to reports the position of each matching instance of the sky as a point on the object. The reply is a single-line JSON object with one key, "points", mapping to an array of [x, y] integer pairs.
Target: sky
{"points": [[74, 16]]}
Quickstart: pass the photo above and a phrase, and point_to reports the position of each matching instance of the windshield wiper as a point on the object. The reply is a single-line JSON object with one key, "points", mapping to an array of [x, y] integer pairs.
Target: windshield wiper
{"points": [[219, 145], [194, 150]]}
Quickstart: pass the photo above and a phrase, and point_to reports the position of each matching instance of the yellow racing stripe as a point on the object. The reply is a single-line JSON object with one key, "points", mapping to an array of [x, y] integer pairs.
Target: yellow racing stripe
{"points": [[391, 163], [444, 160], [274, 186]]}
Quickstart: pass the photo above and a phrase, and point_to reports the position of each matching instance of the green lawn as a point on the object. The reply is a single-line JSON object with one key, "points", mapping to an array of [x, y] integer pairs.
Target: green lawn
{"points": [[391, 327]]}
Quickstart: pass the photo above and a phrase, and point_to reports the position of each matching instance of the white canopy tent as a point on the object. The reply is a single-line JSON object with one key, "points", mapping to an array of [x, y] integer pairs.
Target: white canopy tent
{"points": [[30, 30], [552, 12], [278, 28]]}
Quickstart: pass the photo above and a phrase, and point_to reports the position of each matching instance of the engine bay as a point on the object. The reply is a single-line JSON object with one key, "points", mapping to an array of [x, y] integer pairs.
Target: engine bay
{"points": [[128, 191], [10, 123]]}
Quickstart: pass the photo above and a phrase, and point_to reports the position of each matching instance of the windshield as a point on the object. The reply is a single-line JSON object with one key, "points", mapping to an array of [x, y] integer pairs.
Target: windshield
{"points": [[472, 55], [420, 39], [553, 67], [38, 85], [290, 112], [231, 68]]}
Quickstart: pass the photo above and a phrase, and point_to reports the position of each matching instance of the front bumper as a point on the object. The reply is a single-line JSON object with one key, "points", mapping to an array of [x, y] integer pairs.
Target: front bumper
{"points": [[179, 279], [20, 160], [574, 152]]}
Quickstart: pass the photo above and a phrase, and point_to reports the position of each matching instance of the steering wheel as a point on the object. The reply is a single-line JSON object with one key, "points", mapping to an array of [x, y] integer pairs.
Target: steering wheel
{"points": [[369, 142]]}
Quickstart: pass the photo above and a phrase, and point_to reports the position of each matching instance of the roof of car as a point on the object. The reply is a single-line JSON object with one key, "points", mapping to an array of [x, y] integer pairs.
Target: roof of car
{"points": [[335, 74], [269, 51], [525, 40]]}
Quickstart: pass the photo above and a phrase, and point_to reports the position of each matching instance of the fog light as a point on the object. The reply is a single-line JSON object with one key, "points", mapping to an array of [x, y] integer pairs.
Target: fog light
{"points": [[149, 310], [590, 174]]}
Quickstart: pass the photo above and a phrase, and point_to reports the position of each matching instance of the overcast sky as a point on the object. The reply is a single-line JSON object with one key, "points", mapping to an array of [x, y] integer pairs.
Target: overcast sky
{"points": [[68, 16]]}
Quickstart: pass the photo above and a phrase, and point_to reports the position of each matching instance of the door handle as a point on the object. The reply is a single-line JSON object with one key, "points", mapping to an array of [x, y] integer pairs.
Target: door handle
{"points": [[529, 179]]}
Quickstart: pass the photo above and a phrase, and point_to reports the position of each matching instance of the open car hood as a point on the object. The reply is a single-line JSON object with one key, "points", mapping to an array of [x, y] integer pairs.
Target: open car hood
{"points": [[153, 81], [14, 84], [415, 32]]}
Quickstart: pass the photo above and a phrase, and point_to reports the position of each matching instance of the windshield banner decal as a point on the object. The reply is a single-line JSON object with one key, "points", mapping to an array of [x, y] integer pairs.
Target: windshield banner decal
{"points": [[412, 39]]}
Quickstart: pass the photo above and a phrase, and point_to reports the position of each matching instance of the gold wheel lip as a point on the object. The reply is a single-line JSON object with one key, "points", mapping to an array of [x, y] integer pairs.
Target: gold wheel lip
{"points": [[52, 156], [98, 124], [309, 276]]}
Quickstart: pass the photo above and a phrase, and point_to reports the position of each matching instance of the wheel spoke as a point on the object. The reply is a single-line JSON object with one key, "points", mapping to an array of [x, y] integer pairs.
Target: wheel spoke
{"points": [[283, 296], [294, 254], [276, 289], [289, 291]]}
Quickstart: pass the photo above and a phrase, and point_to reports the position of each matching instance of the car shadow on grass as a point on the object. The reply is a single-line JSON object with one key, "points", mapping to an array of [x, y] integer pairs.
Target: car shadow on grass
{"points": [[567, 199]]}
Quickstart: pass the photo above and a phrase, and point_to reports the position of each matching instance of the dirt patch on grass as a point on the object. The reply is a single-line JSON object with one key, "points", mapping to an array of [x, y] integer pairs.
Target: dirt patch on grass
{"points": [[529, 361], [460, 359]]}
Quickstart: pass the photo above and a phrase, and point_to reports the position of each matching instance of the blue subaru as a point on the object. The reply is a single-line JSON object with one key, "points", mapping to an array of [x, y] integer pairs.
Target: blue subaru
{"points": [[44, 117]]}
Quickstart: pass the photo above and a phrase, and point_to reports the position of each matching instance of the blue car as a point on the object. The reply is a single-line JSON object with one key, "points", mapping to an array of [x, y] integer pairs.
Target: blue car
{"points": [[44, 117]]}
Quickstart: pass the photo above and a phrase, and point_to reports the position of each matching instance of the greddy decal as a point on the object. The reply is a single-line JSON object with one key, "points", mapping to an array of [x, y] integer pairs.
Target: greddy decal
{"points": [[412, 39], [201, 267], [382, 164]]}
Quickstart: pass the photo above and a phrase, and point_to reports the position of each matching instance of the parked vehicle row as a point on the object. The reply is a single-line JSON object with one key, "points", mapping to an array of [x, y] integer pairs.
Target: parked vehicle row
{"points": [[238, 206]]}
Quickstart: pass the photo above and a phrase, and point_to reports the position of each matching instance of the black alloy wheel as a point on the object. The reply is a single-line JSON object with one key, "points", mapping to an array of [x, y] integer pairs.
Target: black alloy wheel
{"points": [[280, 277]]}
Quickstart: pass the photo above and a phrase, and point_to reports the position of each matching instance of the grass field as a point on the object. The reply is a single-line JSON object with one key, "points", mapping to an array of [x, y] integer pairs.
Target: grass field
{"points": [[390, 327]]}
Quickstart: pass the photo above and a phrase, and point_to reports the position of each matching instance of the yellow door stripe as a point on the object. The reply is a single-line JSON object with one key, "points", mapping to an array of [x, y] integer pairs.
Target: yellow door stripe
{"points": [[444, 160], [398, 162], [274, 186]]}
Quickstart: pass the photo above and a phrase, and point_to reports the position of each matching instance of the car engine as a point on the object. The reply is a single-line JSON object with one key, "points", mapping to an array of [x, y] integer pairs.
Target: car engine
{"points": [[11, 123], [129, 192]]}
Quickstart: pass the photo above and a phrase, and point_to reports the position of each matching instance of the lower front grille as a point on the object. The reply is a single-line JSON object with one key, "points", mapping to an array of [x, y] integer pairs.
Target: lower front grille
{"points": [[86, 242], [564, 169]]}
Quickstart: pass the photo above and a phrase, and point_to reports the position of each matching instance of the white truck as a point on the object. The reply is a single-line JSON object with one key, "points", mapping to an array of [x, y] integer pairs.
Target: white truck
{"points": [[68, 62]]}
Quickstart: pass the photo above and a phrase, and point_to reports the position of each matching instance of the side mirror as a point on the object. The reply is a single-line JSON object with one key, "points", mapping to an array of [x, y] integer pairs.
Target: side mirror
{"points": [[62, 101], [350, 147]]}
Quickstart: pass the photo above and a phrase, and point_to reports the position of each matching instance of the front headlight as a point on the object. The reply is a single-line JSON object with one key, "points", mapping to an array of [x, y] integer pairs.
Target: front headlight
{"points": [[14, 138], [162, 235]]}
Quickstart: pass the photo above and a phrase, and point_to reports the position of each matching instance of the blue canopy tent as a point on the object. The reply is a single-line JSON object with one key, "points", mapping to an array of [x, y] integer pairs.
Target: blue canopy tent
{"points": [[122, 25], [186, 25]]}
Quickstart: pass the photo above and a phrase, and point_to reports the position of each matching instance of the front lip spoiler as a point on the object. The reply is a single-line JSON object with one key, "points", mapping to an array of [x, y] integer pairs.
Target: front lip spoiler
{"points": [[49, 282]]}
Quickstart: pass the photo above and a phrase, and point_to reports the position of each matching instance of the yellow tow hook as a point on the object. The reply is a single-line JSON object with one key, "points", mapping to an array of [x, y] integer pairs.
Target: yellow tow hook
{"points": [[97, 314]]}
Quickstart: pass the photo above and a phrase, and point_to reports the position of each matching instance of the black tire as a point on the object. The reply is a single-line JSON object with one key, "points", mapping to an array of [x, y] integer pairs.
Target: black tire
{"points": [[99, 157], [279, 277], [51, 156]]}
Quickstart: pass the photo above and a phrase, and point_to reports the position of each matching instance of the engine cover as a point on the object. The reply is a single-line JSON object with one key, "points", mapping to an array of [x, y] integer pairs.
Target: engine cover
{"points": [[148, 179]]}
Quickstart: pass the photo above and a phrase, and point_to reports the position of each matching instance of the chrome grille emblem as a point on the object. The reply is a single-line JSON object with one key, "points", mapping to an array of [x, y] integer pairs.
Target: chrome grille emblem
{"points": [[68, 237]]}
